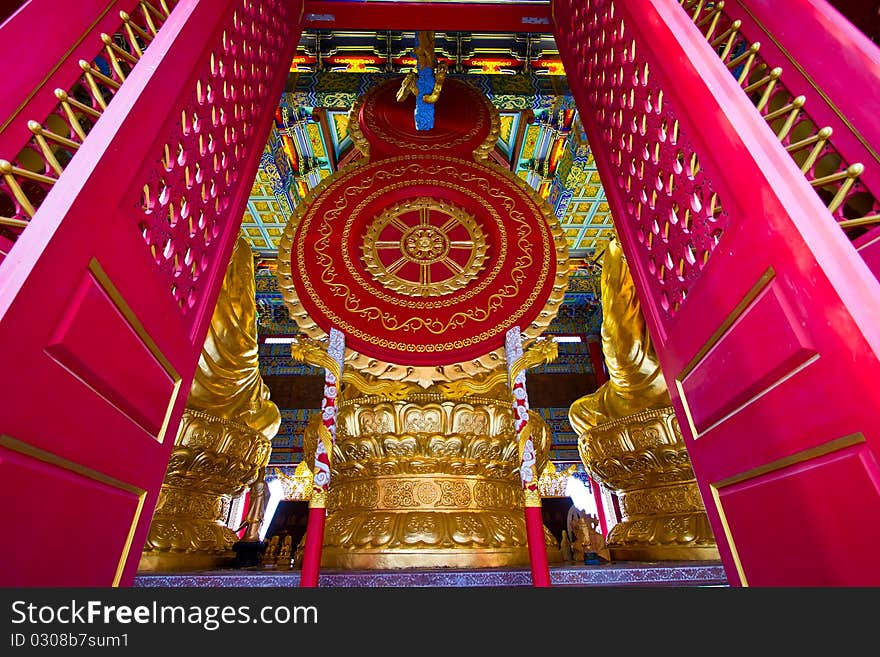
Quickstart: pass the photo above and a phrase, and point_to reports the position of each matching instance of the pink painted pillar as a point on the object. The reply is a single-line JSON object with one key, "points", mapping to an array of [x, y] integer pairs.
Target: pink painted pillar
{"points": [[323, 458], [532, 498]]}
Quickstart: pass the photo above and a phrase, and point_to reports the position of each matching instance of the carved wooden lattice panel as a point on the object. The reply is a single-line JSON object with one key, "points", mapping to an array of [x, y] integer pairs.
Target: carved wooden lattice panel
{"points": [[185, 199], [677, 211]]}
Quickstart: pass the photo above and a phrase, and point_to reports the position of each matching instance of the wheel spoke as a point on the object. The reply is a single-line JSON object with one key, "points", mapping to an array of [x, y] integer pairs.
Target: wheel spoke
{"points": [[399, 225], [452, 265], [397, 264], [445, 228]]}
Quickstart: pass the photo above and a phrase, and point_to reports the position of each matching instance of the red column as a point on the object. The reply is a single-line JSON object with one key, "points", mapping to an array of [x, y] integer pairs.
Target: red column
{"points": [[600, 507], [332, 362], [245, 503], [598, 361], [314, 543], [537, 547], [528, 475]]}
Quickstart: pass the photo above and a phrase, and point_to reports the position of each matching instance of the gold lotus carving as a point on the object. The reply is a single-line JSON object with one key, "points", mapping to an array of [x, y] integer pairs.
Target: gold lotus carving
{"points": [[642, 457], [212, 462], [448, 494]]}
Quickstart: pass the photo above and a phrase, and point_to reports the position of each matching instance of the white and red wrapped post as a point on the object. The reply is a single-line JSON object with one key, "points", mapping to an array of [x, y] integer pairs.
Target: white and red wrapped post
{"points": [[528, 475], [311, 565]]}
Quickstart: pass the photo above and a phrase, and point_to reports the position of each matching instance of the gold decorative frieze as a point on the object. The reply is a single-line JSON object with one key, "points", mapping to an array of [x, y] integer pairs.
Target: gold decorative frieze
{"points": [[422, 479]]}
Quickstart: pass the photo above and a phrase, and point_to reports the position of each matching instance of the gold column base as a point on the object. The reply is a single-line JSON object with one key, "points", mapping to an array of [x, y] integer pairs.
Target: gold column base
{"points": [[212, 461], [643, 459], [424, 478]]}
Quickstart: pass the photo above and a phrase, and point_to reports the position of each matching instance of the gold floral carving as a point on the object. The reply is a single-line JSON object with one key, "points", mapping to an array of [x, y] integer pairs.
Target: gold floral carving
{"points": [[643, 459], [439, 497]]}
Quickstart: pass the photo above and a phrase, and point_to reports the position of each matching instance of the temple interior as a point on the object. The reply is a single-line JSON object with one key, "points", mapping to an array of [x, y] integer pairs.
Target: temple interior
{"points": [[445, 307]]}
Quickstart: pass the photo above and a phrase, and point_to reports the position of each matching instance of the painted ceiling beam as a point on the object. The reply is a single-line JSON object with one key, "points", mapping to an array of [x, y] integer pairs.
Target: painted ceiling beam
{"points": [[444, 17]]}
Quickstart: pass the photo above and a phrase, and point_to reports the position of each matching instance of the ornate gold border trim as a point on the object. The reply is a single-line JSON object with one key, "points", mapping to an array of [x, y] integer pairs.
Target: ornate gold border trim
{"points": [[61, 462]]}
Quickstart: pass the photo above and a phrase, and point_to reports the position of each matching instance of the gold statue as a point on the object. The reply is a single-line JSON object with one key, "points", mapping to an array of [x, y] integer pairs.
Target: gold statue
{"points": [[587, 538], [224, 437], [565, 547], [285, 557], [271, 552], [227, 382], [635, 382], [259, 500]]}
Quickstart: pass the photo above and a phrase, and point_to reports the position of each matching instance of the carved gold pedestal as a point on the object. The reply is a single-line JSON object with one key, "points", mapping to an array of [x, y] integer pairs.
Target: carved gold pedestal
{"points": [[643, 459], [212, 462], [427, 481]]}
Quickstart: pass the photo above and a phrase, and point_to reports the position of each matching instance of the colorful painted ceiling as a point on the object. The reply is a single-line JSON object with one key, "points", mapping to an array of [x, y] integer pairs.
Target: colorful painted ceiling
{"points": [[541, 137]]}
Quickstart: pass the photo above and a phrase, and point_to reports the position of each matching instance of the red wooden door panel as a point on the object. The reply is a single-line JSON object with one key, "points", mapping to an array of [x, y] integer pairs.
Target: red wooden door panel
{"points": [[106, 295], [765, 319]]}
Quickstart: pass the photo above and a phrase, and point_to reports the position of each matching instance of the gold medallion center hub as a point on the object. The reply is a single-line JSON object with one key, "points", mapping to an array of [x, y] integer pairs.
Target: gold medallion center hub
{"points": [[424, 245]]}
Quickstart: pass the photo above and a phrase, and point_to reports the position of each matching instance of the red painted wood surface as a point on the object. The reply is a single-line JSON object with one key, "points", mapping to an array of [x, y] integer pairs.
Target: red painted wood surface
{"points": [[537, 547], [106, 297], [52, 45], [765, 319]]}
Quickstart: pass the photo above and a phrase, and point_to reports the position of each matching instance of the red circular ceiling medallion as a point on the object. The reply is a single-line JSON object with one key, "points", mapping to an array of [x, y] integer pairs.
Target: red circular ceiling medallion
{"points": [[428, 256]]}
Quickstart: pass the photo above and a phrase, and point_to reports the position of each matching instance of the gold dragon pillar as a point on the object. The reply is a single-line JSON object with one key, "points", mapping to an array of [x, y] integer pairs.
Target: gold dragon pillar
{"points": [[630, 441], [224, 439], [427, 477]]}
